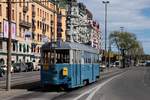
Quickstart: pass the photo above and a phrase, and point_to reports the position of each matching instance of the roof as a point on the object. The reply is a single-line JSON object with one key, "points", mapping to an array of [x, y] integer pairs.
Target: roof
{"points": [[70, 45]]}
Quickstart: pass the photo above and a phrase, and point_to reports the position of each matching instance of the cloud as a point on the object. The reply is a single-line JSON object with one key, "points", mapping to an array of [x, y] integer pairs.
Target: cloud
{"points": [[126, 13], [121, 13]]}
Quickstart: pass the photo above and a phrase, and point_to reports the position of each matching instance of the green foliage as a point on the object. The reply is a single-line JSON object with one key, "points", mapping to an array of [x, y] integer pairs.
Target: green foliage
{"points": [[126, 41], [60, 3]]}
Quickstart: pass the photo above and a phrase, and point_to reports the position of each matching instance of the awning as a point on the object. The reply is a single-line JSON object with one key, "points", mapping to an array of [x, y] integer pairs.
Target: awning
{"points": [[28, 34]]}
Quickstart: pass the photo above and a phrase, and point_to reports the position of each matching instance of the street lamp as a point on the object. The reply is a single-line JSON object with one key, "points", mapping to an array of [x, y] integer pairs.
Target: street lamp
{"points": [[105, 2]]}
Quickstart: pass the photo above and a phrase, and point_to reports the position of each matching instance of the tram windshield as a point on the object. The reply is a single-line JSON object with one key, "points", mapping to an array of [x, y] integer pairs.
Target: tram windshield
{"points": [[60, 56]]}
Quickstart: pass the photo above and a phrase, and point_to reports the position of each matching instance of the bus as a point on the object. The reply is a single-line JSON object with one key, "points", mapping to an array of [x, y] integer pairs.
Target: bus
{"points": [[69, 65]]}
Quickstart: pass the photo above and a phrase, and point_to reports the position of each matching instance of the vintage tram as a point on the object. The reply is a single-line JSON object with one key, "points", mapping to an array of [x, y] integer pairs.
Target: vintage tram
{"points": [[69, 64]]}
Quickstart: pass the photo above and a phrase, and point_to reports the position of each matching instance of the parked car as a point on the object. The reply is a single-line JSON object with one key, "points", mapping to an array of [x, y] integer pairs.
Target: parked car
{"points": [[102, 67], [5, 68], [147, 64], [117, 64], [112, 65], [2, 72], [36, 65], [30, 66], [20, 67]]}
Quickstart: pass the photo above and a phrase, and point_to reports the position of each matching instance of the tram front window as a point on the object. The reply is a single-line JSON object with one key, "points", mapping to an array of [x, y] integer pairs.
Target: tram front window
{"points": [[48, 57], [62, 56]]}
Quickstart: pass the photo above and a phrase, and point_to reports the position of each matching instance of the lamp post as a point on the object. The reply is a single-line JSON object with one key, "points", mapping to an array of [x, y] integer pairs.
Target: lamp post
{"points": [[105, 3]]}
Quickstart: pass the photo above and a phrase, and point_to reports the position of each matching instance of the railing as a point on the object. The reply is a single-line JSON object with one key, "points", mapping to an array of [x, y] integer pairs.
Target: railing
{"points": [[25, 24]]}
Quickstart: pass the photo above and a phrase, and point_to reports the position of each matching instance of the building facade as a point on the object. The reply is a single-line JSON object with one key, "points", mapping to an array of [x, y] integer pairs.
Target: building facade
{"points": [[33, 23], [81, 27]]}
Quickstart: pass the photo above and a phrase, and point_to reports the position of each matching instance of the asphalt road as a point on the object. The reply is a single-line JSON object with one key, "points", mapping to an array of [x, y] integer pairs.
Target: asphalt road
{"points": [[53, 93], [125, 84], [131, 85]]}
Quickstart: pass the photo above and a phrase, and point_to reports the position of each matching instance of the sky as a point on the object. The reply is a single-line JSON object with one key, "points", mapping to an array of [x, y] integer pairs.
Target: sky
{"points": [[133, 15]]}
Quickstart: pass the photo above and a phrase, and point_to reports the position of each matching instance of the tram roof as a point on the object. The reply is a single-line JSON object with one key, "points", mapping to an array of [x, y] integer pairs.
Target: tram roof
{"points": [[71, 45]]}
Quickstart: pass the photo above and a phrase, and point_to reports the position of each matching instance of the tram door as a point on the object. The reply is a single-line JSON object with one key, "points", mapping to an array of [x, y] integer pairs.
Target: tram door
{"points": [[76, 67]]}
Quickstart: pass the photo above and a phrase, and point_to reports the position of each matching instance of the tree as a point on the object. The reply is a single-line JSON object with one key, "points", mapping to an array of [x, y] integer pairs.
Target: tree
{"points": [[127, 44], [60, 3]]}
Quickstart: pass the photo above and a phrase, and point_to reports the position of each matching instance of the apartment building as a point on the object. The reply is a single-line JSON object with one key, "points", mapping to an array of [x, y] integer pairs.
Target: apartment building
{"points": [[81, 27], [33, 23]]}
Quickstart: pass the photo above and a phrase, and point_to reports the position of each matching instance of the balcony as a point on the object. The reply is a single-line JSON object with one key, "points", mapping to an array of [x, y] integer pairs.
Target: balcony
{"points": [[26, 24], [25, 9]]}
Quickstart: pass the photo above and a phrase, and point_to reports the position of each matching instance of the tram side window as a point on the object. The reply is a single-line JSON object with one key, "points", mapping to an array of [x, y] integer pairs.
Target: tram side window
{"points": [[96, 59], [87, 57], [62, 56]]}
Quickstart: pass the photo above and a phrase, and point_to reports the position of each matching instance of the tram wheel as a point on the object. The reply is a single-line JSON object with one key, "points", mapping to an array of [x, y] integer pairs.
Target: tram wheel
{"points": [[85, 83]]}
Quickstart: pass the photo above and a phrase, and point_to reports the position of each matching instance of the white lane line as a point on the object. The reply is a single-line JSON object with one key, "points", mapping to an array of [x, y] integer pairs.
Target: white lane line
{"points": [[95, 89], [87, 92]]}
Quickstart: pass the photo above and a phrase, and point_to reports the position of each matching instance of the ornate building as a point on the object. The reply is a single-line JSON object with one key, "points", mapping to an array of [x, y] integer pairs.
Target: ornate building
{"points": [[80, 25], [33, 23]]}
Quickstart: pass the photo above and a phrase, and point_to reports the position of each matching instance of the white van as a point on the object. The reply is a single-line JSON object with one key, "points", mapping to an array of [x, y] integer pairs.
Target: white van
{"points": [[36, 65], [118, 64]]}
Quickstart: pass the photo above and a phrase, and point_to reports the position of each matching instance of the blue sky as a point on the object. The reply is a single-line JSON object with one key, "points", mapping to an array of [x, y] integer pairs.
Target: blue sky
{"points": [[133, 15]]}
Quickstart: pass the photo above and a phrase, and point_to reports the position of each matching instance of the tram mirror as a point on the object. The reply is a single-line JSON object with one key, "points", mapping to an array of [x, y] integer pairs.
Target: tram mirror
{"points": [[65, 71]]}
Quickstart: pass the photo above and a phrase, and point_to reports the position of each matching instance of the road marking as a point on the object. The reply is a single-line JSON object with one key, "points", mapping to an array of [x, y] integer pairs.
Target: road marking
{"points": [[95, 89]]}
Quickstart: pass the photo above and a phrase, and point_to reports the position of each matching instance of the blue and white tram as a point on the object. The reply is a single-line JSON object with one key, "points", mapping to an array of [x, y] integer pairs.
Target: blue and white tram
{"points": [[71, 65]]}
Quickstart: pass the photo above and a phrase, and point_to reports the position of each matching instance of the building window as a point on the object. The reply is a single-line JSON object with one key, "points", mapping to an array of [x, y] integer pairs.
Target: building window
{"points": [[47, 28], [38, 36], [19, 31], [0, 27], [24, 16], [0, 10], [27, 48], [20, 47], [14, 47], [27, 18], [38, 11], [20, 4], [20, 16], [13, 15], [38, 49], [38, 24], [6, 12], [33, 7], [1, 44], [24, 48], [47, 16]]}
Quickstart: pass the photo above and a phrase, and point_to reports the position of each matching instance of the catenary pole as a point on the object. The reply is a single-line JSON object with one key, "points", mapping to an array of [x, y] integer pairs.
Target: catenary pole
{"points": [[8, 80]]}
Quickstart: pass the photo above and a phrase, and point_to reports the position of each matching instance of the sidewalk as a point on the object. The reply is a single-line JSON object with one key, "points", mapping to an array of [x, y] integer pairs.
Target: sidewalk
{"points": [[6, 95], [109, 70]]}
